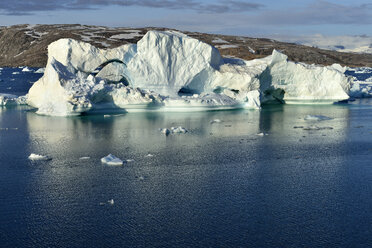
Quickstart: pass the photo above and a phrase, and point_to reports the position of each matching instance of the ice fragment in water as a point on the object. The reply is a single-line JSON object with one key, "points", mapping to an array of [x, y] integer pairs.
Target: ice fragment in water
{"points": [[34, 156], [84, 158], [262, 134], [165, 131], [178, 129], [317, 118], [216, 121], [111, 160]]}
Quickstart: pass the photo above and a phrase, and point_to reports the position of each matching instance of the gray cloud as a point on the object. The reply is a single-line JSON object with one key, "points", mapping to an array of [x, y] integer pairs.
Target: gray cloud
{"points": [[20, 7]]}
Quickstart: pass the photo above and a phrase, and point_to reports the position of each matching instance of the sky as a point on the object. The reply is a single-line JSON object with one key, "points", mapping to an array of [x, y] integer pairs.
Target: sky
{"points": [[258, 18]]}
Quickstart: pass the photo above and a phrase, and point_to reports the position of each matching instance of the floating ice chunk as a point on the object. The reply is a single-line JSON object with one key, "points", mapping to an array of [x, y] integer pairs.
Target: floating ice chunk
{"points": [[178, 129], [129, 160], [40, 70], [111, 160], [26, 69], [34, 156], [84, 158], [262, 134], [216, 121], [111, 202], [361, 89], [317, 118], [165, 131], [7, 99], [10, 100], [149, 155], [15, 72]]}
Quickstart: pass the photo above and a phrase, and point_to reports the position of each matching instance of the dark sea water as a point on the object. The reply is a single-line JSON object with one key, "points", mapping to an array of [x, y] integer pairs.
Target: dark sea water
{"points": [[218, 185]]}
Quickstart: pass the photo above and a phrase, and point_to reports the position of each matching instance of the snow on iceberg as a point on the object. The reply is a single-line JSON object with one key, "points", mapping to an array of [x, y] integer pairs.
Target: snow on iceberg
{"points": [[171, 71]]}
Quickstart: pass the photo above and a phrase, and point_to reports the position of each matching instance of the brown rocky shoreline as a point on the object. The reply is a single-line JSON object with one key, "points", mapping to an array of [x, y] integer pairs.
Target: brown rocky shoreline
{"points": [[26, 45]]}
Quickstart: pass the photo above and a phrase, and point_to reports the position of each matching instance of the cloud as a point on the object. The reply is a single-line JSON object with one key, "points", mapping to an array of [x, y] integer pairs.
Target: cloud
{"points": [[20, 7], [318, 13]]}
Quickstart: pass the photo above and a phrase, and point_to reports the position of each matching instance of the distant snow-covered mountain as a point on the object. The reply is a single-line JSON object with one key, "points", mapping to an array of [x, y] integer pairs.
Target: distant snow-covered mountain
{"points": [[345, 43]]}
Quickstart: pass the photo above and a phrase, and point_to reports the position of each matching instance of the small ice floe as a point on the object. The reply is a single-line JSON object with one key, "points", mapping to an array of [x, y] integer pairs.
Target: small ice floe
{"points": [[262, 134], [316, 128], [106, 116], [40, 70], [178, 129], [34, 156], [15, 73], [317, 118], [26, 69], [84, 158], [172, 130], [129, 160], [216, 121], [149, 155], [111, 202], [111, 160], [165, 131]]}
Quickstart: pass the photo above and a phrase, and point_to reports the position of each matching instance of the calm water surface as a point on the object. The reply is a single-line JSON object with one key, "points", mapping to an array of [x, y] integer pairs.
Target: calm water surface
{"points": [[219, 185]]}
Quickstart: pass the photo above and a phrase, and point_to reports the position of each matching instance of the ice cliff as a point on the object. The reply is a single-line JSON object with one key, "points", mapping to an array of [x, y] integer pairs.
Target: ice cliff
{"points": [[169, 70]]}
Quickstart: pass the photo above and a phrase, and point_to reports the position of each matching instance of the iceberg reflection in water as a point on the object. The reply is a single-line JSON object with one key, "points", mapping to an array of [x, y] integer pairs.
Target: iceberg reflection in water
{"points": [[219, 184]]}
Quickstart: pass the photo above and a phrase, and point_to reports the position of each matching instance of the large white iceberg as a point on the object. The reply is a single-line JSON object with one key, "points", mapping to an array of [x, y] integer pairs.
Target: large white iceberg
{"points": [[171, 71]]}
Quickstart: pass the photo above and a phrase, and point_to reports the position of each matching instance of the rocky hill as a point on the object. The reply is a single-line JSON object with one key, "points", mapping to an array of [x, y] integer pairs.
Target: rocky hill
{"points": [[26, 45]]}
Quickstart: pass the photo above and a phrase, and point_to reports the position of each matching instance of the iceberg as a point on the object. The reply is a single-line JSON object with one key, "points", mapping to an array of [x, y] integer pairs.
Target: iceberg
{"points": [[170, 71]]}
